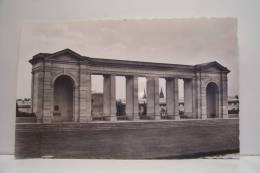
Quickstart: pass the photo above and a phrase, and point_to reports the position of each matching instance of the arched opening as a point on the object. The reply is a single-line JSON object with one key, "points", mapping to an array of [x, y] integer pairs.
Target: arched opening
{"points": [[63, 99], [212, 93]]}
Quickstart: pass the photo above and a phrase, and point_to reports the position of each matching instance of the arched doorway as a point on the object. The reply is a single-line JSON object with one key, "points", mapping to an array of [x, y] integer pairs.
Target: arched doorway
{"points": [[63, 99], [212, 93]]}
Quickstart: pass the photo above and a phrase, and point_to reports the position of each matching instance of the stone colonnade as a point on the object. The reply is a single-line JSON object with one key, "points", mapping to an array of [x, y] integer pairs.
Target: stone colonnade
{"points": [[48, 67], [153, 107]]}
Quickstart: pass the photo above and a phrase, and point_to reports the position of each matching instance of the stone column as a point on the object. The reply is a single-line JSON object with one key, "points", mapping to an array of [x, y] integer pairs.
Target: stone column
{"points": [[76, 97], [198, 96], [194, 99], [109, 97], [84, 95], [153, 107], [32, 90], [172, 98], [203, 93], [188, 97], [224, 93], [38, 94], [47, 97], [132, 98]]}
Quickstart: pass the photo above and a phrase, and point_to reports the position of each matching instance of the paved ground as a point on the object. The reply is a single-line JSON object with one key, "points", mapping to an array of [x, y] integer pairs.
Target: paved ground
{"points": [[128, 140]]}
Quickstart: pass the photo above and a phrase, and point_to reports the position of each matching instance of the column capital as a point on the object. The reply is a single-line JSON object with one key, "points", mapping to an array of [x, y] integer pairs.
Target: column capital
{"points": [[152, 77], [130, 76], [107, 75], [171, 77]]}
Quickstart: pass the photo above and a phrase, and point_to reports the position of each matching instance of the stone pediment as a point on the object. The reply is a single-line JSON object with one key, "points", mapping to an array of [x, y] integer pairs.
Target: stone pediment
{"points": [[65, 55], [212, 67], [68, 55]]}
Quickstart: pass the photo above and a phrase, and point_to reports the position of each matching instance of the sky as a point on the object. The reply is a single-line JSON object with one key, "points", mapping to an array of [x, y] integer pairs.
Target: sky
{"points": [[179, 41]]}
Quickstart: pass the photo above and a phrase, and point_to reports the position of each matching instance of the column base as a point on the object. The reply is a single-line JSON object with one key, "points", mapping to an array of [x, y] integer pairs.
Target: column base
{"points": [[129, 116], [225, 116], [157, 117], [194, 116], [38, 118], [132, 116], [177, 117], [113, 118], [84, 119], [188, 114], [136, 116], [47, 119], [204, 116], [150, 116]]}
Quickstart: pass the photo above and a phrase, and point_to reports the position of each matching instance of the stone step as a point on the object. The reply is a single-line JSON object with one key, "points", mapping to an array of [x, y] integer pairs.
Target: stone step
{"points": [[121, 125]]}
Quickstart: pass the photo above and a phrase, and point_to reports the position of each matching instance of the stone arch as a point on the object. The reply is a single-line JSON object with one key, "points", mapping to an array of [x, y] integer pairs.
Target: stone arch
{"points": [[63, 102], [75, 83], [212, 100]]}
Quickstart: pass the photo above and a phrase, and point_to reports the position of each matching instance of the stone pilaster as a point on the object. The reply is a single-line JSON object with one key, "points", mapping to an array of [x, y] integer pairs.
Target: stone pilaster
{"points": [[194, 99], [42, 93], [153, 107], [32, 91], [76, 97], [38, 95], [224, 96], [203, 101], [47, 97], [85, 96], [109, 96], [132, 98], [198, 97]]}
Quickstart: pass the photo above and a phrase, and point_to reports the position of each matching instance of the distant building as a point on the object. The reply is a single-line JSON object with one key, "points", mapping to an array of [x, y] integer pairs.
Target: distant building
{"points": [[144, 96], [61, 83], [233, 106], [161, 95], [24, 105]]}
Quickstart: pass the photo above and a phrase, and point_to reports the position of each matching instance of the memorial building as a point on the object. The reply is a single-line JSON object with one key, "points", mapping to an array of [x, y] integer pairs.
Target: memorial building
{"points": [[61, 88]]}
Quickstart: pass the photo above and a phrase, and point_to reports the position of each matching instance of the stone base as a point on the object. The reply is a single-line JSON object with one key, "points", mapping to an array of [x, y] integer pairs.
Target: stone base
{"points": [[136, 117], [225, 116], [129, 116], [188, 114], [132, 116], [157, 117], [85, 119], [47, 119], [38, 120], [113, 118], [204, 116], [194, 116], [177, 117], [150, 116]]}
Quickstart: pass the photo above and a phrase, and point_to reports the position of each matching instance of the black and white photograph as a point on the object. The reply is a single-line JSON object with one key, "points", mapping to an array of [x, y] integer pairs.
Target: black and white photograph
{"points": [[128, 89]]}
